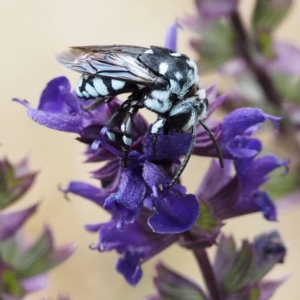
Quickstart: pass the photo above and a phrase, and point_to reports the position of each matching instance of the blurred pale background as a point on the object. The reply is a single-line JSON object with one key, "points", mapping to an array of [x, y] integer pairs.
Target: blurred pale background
{"points": [[31, 32]]}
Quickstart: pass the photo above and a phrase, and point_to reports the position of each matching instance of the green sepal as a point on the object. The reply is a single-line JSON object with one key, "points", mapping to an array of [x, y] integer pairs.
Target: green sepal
{"points": [[239, 274], [173, 286], [11, 285], [40, 257], [216, 46], [13, 184], [207, 222]]}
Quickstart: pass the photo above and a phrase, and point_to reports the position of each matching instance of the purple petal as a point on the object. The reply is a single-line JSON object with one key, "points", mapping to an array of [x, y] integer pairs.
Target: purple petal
{"points": [[253, 172], [130, 267], [238, 121], [130, 194], [174, 214], [56, 97], [215, 103], [213, 9], [57, 121], [287, 59], [35, 283], [171, 38], [264, 204], [11, 222], [109, 171], [215, 179], [241, 147], [168, 147], [234, 67], [268, 288], [153, 175], [87, 191], [58, 108]]}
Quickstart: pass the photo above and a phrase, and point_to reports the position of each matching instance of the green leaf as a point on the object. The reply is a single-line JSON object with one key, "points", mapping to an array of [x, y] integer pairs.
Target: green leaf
{"points": [[238, 275], [207, 221], [268, 14]]}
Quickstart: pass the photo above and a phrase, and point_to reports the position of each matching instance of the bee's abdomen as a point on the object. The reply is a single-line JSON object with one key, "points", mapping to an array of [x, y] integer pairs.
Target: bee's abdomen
{"points": [[90, 87]]}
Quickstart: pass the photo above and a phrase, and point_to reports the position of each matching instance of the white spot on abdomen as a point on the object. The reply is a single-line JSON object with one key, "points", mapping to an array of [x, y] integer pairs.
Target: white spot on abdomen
{"points": [[100, 86], [91, 90], [117, 84], [175, 54]]}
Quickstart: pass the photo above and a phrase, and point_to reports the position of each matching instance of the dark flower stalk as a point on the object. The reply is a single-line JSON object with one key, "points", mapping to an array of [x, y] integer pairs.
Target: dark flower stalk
{"points": [[208, 273]]}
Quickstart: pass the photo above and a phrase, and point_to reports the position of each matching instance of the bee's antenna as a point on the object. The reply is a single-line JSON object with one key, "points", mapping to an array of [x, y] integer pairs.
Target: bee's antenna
{"points": [[186, 159], [215, 142]]}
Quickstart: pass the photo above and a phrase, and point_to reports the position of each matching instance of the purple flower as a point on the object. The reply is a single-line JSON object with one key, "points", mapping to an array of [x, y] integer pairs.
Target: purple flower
{"points": [[230, 196], [213, 9], [146, 216], [136, 242], [233, 134]]}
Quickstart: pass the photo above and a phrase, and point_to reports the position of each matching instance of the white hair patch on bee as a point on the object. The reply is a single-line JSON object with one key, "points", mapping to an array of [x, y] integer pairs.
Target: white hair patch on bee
{"points": [[149, 51], [100, 86], [163, 68], [175, 86], [175, 54], [85, 94], [193, 65], [202, 93], [157, 126], [127, 140], [178, 75], [117, 84], [91, 90], [111, 135]]}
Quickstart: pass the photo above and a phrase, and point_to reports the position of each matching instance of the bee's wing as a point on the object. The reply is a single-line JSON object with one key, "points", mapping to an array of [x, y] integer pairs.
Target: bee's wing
{"points": [[115, 62]]}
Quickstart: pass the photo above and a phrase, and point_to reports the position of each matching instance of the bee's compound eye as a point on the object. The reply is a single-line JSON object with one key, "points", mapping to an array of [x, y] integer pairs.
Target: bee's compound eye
{"points": [[193, 90]]}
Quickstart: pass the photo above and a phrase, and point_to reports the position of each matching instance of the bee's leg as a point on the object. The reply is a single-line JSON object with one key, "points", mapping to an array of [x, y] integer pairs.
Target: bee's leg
{"points": [[156, 128], [96, 103], [123, 117]]}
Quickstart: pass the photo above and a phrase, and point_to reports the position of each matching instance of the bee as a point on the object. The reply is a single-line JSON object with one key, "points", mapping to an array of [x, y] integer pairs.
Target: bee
{"points": [[159, 79]]}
